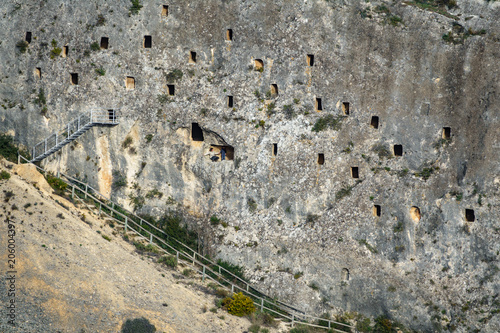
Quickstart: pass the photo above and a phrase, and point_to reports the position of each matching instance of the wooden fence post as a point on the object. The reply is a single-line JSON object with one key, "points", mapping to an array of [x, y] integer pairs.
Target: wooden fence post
{"points": [[232, 288], [293, 319], [194, 257], [203, 279], [177, 255], [86, 189], [73, 192], [261, 305], [125, 224], [150, 238]]}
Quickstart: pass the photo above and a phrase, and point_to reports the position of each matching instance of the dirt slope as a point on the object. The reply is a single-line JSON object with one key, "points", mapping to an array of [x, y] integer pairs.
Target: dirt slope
{"points": [[70, 279]]}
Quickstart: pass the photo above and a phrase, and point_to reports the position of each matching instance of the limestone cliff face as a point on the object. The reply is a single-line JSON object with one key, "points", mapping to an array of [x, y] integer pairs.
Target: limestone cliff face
{"points": [[411, 96]]}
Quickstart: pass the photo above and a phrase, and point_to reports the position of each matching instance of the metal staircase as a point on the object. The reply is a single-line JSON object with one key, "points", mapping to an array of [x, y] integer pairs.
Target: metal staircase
{"points": [[72, 131]]}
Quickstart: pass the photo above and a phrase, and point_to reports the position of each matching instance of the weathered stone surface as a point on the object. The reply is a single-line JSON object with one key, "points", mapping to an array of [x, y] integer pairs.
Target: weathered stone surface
{"points": [[287, 207]]}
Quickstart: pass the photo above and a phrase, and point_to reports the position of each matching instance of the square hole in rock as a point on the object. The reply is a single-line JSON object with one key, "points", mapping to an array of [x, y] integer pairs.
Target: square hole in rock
{"points": [[104, 43], [376, 210], [130, 82], [310, 60], [398, 150], [318, 105], [469, 215], [345, 108], [171, 89], [229, 34], [321, 159], [164, 11], [74, 78], [148, 42], [229, 101], [374, 122], [446, 133], [354, 172]]}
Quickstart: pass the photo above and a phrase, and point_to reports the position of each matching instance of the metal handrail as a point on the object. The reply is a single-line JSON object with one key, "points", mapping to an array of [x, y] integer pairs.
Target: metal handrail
{"points": [[299, 317], [72, 130]]}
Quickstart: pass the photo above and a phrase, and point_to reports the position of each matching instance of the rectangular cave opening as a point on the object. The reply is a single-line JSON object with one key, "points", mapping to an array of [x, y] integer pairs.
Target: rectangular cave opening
{"points": [[310, 60], [196, 132], [275, 149], [171, 89], [446, 133], [65, 51], [229, 34], [27, 38], [469, 215], [104, 43], [274, 89], [229, 101], [164, 11], [354, 172], [345, 108], [321, 159], [376, 210], [38, 72], [74, 78], [318, 105], [148, 42], [398, 150], [192, 57], [130, 82], [374, 122], [259, 65]]}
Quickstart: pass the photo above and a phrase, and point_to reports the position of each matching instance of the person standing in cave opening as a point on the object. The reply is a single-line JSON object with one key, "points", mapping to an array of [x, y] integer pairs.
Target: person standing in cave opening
{"points": [[223, 154]]}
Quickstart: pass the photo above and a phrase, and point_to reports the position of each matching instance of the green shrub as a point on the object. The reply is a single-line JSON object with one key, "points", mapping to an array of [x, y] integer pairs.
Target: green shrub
{"points": [[383, 325], [119, 180], [252, 205], [163, 98], [149, 137], [136, 7], [214, 220], [240, 305], [95, 46], [127, 142], [174, 75], [341, 320], [137, 201], [138, 325], [328, 121], [9, 150], [298, 275], [55, 52], [40, 98], [4, 175], [106, 238], [300, 329], [364, 325], [343, 192], [170, 261], [234, 269], [56, 183], [154, 193], [254, 328], [22, 46], [100, 71]]}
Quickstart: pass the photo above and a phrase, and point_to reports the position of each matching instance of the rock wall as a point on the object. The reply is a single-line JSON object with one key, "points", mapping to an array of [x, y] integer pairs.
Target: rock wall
{"points": [[323, 219]]}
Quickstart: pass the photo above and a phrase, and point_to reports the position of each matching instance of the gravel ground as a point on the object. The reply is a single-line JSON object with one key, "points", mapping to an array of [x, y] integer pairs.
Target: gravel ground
{"points": [[70, 279]]}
